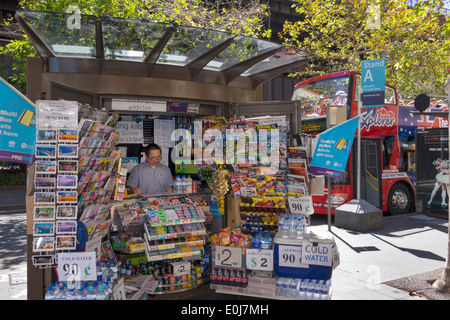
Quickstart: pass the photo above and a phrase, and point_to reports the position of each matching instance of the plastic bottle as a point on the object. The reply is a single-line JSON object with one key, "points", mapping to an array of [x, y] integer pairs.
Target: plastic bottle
{"points": [[279, 291], [183, 184], [302, 289], [99, 272], [293, 227], [50, 295], [310, 290], [107, 273], [326, 289], [317, 290], [91, 294], [286, 227], [123, 268], [177, 184], [80, 294], [280, 224], [115, 271], [292, 288], [300, 228], [100, 294], [305, 227], [60, 295], [188, 184], [71, 295]]}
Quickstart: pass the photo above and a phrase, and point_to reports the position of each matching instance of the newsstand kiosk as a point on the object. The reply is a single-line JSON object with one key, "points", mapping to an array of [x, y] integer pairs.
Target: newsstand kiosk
{"points": [[176, 72]]}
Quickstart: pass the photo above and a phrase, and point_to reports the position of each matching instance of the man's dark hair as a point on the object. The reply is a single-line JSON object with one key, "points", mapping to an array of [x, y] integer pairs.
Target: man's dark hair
{"points": [[152, 146]]}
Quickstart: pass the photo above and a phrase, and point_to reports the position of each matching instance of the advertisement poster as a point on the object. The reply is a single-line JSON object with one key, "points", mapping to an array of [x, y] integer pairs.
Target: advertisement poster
{"points": [[17, 125], [333, 148], [432, 172]]}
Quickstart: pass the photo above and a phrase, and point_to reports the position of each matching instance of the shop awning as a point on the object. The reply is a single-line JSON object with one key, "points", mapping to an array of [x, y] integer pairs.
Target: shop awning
{"points": [[77, 43]]}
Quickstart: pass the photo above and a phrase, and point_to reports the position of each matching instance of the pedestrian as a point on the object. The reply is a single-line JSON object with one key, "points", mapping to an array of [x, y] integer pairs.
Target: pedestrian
{"points": [[150, 176]]}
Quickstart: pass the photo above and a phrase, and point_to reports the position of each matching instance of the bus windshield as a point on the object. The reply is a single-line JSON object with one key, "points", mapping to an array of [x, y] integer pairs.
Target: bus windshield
{"points": [[316, 96]]}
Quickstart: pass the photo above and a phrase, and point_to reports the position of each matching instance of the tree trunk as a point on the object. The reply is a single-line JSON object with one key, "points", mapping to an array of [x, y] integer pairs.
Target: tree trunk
{"points": [[443, 282]]}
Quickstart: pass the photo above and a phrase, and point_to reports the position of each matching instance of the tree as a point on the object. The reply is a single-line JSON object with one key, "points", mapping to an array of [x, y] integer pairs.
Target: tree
{"points": [[238, 17], [341, 33]]}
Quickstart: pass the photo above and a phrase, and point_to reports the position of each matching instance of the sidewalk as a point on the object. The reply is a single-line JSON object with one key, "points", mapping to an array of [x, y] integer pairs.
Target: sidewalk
{"points": [[12, 198], [403, 257]]}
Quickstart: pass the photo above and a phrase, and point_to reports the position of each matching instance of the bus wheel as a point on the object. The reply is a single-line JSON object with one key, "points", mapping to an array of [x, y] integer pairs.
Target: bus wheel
{"points": [[399, 200]]}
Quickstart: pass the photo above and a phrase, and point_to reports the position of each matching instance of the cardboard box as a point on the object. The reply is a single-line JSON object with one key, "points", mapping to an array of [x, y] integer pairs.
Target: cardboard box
{"points": [[233, 214]]}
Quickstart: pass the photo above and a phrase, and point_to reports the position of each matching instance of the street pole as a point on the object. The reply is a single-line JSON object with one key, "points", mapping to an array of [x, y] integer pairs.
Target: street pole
{"points": [[358, 156]]}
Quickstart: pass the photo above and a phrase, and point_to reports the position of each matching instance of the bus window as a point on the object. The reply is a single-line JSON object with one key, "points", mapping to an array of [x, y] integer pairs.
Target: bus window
{"points": [[389, 95], [387, 145], [407, 154]]}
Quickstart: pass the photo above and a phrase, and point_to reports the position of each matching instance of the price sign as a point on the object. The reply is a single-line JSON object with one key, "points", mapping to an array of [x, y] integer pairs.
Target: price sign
{"points": [[230, 257], [248, 192], [182, 268], [259, 259], [290, 256], [317, 253], [77, 266], [301, 205]]}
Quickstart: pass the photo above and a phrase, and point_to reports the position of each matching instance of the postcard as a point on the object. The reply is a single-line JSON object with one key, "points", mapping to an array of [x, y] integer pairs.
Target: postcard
{"points": [[65, 242], [45, 151], [67, 151], [66, 227], [67, 166], [45, 166], [44, 198], [45, 260], [44, 213], [67, 135], [66, 212], [43, 244], [67, 181], [66, 196], [45, 135], [43, 229], [44, 183]]}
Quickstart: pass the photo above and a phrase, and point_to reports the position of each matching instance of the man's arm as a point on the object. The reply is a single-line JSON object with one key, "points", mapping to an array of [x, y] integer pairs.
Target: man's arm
{"points": [[133, 181]]}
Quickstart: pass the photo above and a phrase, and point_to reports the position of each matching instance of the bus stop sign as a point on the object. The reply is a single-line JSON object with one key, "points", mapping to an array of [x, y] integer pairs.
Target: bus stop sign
{"points": [[373, 79]]}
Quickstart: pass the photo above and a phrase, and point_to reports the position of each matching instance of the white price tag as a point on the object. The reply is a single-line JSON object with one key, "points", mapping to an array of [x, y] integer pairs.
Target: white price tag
{"points": [[230, 257], [77, 266], [182, 268], [290, 256], [248, 192], [301, 205], [259, 259]]}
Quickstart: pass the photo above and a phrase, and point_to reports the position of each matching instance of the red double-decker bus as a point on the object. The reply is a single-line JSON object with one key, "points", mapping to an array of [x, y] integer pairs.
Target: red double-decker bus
{"points": [[387, 141]]}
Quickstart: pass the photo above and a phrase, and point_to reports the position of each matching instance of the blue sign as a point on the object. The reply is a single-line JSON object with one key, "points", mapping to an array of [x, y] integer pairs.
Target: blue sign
{"points": [[17, 125], [333, 148], [373, 81]]}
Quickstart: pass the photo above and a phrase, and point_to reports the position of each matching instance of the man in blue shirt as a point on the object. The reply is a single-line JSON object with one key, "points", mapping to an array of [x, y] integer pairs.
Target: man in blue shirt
{"points": [[151, 176]]}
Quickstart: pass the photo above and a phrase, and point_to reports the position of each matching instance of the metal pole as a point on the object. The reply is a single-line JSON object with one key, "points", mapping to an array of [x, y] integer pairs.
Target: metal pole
{"points": [[358, 156], [328, 178]]}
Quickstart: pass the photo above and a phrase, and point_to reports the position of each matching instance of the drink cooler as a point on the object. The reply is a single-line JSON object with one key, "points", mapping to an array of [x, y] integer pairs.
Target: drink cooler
{"points": [[317, 272]]}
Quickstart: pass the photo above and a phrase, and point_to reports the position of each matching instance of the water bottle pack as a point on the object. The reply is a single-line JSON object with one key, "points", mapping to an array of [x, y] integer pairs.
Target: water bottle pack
{"points": [[303, 289], [84, 290]]}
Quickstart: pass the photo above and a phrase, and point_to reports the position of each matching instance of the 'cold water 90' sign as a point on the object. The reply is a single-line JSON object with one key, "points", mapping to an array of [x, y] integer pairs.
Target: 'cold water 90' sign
{"points": [[373, 80]]}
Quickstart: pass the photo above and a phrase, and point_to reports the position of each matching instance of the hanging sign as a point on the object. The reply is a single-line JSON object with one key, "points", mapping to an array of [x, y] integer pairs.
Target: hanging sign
{"points": [[56, 114], [333, 149], [17, 125], [317, 254], [301, 205], [373, 82]]}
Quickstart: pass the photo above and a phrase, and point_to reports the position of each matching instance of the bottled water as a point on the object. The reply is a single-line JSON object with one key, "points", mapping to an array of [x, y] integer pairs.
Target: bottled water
{"points": [[285, 226], [107, 273], [293, 227], [317, 290], [183, 184], [115, 271], [50, 295], [292, 284], [300, 227], [325, 291], [100, 294], [310, 290], [302, 289], [99, 272], [71, 295], [91, 294], [123, 268], [60, 295], [279, 291], [177, 185], [80, 294]]}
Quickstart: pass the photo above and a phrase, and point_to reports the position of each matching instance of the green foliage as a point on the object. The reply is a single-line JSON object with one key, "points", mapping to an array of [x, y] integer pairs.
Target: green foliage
{"points": [[342, 33]]}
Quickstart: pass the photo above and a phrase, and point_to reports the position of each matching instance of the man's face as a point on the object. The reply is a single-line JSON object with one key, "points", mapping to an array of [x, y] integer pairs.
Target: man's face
{"points": [[153, 157]]}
